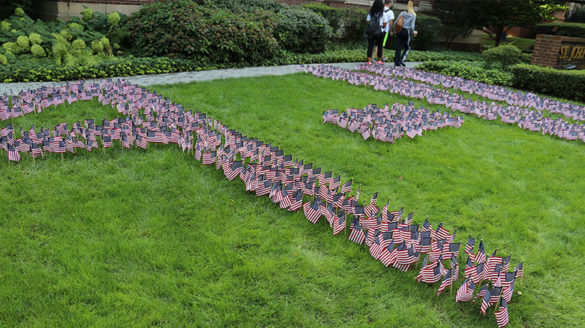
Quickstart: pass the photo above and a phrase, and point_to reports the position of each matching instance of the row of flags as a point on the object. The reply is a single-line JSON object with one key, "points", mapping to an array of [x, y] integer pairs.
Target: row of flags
{"points": [[391, 236], [525, 118], [389, 124], [491, 92]]}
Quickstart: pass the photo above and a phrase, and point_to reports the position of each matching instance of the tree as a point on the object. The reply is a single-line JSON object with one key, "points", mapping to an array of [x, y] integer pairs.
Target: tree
{"points": [[458, 18], [499, 15]]}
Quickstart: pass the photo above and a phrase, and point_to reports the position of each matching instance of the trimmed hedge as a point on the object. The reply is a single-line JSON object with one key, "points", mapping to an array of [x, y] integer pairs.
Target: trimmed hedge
{"points": [[45, 70], [566, 29], [554, 82], [184, 29], [297, 29], [38, 72], [469, 70]]}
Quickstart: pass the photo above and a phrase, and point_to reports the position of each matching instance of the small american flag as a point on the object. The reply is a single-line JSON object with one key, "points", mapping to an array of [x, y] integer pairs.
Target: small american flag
{"points": [[312, 211], [518, 269], [448, 280], [297, 201], [469, 246], [508, 292], [346, 187], [430, 273], [502, 314], [480, 257], [339, 223], [465, 292], [485, 303], [357, 234]]}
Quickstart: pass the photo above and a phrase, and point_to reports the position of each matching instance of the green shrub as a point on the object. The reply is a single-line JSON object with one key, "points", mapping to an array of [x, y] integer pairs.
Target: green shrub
{"points": [[469, 70], [206, 35], [113, 19], [37, 51], [558, 28], [43, 70], [10, 46], [66, 34], [5, 26], [22, 44], [506, 55], [19, 12], [301, 30], [424, 56], [87, 14], [554, 82], [78, 44], [297, 29], [3, 60], [428, 28], [347, 23], [35, 38], [97, 47]]}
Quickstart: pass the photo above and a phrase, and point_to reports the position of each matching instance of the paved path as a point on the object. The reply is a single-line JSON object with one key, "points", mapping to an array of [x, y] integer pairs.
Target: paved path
{"points": [[186, 77]]}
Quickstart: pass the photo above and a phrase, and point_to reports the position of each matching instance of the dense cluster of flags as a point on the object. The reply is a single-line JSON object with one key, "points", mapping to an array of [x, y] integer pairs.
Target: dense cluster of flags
{"points": [[390, 236], [389, 124], [491, 92], [533, 120]]}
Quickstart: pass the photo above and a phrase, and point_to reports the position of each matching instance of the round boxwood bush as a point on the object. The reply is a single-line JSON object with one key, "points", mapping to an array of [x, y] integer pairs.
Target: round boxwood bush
{"points": [[302, 30], [184, 29]]}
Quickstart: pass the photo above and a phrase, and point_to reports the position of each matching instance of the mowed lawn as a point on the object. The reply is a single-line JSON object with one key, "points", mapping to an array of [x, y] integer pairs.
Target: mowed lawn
{"points": [[154, 238]]}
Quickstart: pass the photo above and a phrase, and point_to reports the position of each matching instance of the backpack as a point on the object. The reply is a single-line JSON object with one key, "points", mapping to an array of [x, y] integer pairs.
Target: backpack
{"points": [[398, 25], [373, 29]]}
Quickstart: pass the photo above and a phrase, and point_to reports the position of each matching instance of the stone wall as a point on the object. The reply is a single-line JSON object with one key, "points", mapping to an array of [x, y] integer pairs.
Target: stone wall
{"points": [[557, 51]]}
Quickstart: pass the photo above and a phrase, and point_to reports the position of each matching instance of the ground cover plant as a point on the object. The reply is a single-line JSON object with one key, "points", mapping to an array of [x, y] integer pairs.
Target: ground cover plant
{"points": [[254, 271]]}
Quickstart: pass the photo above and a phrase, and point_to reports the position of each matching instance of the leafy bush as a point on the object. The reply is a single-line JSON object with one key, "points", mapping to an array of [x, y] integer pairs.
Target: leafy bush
{"points": [[87, 14], [203, 34], [8, 7], [559, 83], [506, 55], [567, 29], [297, 29], [3, 60], [301, 30], [347, 24], [428, 28], [424, 56], [469, 70], [37, 51], [44, 70]]}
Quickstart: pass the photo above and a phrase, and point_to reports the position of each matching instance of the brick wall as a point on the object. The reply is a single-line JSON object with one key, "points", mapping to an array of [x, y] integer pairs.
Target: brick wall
{"points": [[547, 49]]}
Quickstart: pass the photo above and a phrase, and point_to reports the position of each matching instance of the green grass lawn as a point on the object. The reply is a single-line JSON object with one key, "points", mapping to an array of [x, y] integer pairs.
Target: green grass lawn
{"points": [[525, 44], [153, 238]]}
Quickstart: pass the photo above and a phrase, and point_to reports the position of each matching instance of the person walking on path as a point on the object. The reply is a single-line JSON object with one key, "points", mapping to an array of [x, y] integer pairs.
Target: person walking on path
{"points": [[375, 31], [390, 19], [404, 32]]}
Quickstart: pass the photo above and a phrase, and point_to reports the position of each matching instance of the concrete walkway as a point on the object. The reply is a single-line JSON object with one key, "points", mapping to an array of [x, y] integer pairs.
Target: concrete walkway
{"points": [[186, 77]]}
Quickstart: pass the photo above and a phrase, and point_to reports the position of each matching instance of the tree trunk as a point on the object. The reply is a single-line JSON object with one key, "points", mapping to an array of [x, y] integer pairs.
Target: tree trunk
{"points": [[499, 32]]}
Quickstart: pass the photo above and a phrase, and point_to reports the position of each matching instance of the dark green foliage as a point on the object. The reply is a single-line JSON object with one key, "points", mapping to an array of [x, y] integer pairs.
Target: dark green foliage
{"points": [[577, 16], [506, 55], [302, 30], [554, 82], [297, 29], [8, 6], [45, 70], [428, 28], [347, 23], [458, 18], [566, 29], [183, 29], [469, 70]]}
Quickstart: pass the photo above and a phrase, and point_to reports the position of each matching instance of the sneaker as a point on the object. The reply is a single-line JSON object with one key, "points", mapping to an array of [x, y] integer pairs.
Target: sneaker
{"points": [[369, 63], [380, 62]]}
